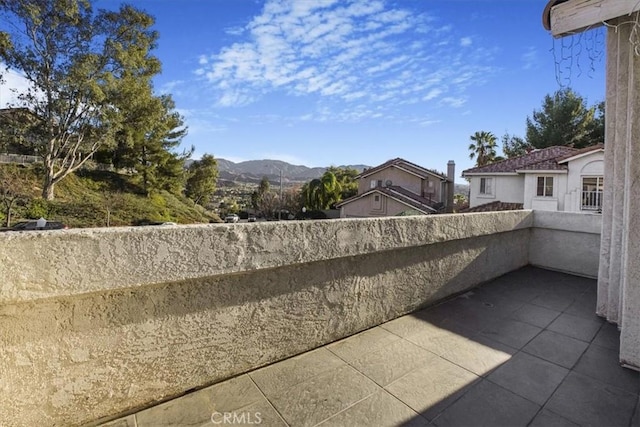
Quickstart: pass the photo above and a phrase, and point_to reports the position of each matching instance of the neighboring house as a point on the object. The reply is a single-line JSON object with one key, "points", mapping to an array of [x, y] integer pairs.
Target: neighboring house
{"points": [[399, 187], [555, 179]]}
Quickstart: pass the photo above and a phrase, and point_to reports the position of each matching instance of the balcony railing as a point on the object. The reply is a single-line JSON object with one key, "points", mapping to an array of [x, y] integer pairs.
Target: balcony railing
{"points": [[592, 200], [100, 322]]}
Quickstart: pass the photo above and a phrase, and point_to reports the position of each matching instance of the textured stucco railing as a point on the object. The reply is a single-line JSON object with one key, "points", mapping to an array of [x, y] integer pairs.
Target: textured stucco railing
{"points": [[99, 322], [49, 264], [566, 241]]}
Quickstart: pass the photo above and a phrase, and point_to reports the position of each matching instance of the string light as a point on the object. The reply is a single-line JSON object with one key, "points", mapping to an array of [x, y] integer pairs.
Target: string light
{"points": [[572, 52]]}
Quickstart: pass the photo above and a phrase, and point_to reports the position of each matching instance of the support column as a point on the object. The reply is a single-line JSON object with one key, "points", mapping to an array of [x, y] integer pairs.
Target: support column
{"points": [[619, 275]]}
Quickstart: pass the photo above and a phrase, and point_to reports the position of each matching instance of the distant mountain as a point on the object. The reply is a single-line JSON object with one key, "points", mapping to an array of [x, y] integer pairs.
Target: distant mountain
{"points": [[461, 189], [255, 170]]}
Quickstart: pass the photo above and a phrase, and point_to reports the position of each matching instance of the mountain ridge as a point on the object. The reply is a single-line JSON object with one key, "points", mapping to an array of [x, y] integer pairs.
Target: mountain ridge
{"points": [[255, 170]]}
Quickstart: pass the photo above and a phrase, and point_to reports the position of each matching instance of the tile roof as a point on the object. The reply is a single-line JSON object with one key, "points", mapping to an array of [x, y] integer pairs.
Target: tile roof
{"points": [[419, 170], [494, 206], [543, 159], [581, 151], [405, 196]]}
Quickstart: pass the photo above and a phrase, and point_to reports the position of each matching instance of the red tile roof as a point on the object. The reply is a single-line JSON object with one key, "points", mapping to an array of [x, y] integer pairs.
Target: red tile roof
{"points": [[543, 159]]}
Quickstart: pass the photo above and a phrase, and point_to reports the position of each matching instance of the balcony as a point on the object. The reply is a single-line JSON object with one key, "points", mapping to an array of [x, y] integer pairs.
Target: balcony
{"points": [[592, 200], [523, 349], [443, 320]]}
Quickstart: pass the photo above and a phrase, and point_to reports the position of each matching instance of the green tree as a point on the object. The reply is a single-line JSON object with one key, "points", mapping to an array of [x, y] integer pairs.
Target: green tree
{"points": [[201, 183], [596, 130], [13, 182], [319, 194], [514, 146], [483, 148], [80, 66], [565, 119], [311, 194], [263, 188], [347, 179], [147, 142]]}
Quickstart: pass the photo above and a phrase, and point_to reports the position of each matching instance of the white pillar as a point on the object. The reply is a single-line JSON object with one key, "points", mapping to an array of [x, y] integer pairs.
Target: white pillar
{"points": [[619, 275]]}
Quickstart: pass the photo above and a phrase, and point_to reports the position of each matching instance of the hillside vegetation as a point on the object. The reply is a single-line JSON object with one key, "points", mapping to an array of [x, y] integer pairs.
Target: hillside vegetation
{"points": [[92, 198]]}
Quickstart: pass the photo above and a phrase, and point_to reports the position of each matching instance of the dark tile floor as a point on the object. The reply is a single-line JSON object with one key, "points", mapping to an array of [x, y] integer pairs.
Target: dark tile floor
{"points": [[524, 349]]}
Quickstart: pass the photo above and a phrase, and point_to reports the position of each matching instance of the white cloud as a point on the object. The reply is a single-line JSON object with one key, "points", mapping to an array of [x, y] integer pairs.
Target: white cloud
{"points": [[234, 31], [454, 102], [11, 85], [172, 87], [425, 123], [348, 51], [433, 93], [530, 58]]}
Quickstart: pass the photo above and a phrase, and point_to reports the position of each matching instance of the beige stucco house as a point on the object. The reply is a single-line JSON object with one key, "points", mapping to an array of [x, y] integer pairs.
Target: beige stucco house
{"points": [[399, 186], [554, 179]]}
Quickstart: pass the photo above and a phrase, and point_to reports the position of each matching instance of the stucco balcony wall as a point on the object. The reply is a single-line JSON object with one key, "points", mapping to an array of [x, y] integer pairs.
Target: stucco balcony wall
{"points": [[95, 323], [566, 241]]}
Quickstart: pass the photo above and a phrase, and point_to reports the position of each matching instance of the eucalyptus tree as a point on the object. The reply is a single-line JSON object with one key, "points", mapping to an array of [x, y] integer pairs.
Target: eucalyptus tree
{"points": [[81, 66]]}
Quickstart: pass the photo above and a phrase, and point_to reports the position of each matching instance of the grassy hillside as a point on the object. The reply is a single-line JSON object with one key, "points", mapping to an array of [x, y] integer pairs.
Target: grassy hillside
{"points": [[89, 197]]}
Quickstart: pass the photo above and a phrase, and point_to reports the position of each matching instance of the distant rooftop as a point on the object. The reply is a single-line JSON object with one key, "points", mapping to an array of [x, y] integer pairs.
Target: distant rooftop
{"points": [[399, 162], [543, 159]]}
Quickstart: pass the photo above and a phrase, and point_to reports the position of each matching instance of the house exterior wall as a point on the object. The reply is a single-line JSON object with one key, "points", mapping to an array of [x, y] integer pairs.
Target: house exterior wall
{"points": [[567, 187], [506, 188], [554, 203], [566, 241], [402, 179], [591, 165], [365, 207]]}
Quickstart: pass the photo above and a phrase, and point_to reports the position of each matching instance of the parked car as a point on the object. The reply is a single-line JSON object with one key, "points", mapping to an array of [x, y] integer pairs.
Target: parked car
{"points": [[36, 225], [232, 218], [252, 218]]}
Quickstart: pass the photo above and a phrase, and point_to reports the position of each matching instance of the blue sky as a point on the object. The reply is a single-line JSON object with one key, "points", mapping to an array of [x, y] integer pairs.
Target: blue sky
{"points": [[359, 82]]}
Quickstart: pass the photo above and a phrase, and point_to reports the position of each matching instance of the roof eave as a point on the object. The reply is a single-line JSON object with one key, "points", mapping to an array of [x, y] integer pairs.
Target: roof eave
{"points": [[578, 156], [560, 171], [489, 173]]}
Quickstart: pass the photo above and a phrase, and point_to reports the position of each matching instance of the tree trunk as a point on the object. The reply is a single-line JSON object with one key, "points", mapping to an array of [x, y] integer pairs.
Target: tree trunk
{"points": [[47, 189], [7, 212], [49, 175]]}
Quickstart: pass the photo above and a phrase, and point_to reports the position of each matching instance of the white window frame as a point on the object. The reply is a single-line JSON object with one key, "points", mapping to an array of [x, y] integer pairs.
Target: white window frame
{"points": [[591, 195], [545, 186], [483, 186]]}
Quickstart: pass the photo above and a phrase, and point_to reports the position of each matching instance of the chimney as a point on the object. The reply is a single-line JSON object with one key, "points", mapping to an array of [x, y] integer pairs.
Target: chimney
{"points": [[451, 179]]}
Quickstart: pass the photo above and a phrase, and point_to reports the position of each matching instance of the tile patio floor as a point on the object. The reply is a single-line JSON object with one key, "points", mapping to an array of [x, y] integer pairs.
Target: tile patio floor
{"points": [[524, 349]]}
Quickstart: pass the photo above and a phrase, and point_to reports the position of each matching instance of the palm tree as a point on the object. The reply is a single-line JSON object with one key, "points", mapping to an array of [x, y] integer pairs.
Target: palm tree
{"points": [[311, 194], [331, 191], [321, 193], [483, 148]]}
